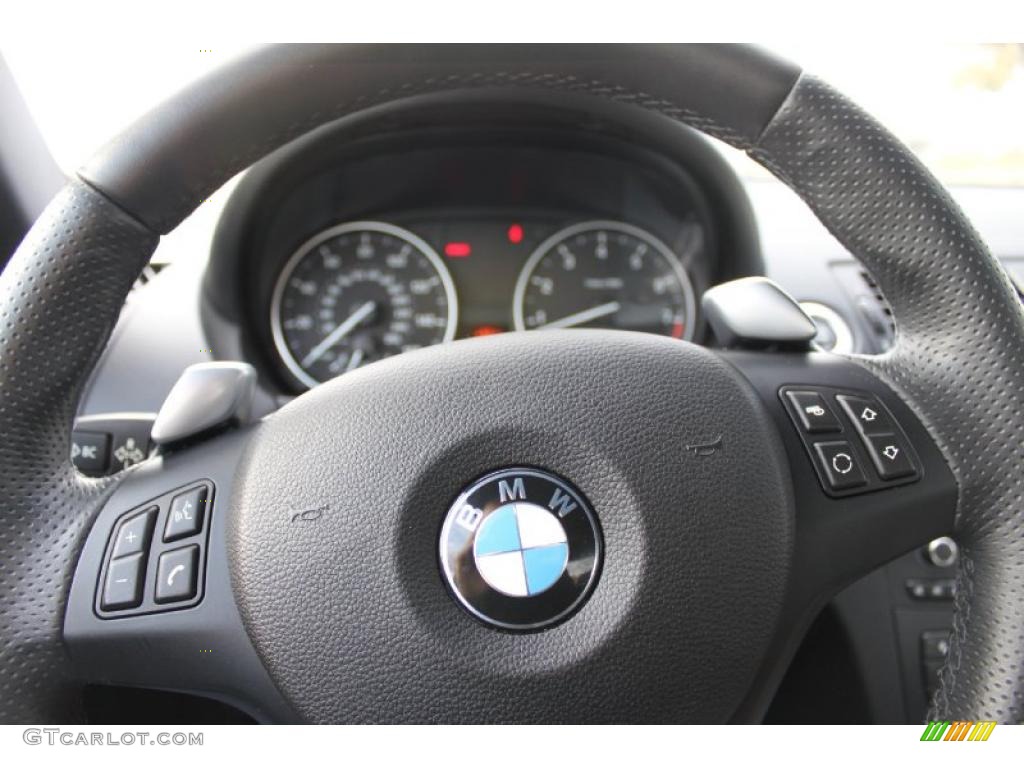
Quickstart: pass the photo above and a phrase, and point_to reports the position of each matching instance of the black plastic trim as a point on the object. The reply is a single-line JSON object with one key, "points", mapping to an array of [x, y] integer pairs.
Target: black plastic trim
{"points": [[839, 539], [157, 547], [849, 434], [202, 649]]}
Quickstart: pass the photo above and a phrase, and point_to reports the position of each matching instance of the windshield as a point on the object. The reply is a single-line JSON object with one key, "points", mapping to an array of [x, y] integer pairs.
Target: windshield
{"points": [[960, 107]]}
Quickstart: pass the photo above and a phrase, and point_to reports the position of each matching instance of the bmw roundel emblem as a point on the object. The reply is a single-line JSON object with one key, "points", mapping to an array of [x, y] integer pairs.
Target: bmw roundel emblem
{"points": [[520, 549]]}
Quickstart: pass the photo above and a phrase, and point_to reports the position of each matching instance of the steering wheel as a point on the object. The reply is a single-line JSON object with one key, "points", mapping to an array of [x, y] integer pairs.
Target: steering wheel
{"points": [[724, 521]]}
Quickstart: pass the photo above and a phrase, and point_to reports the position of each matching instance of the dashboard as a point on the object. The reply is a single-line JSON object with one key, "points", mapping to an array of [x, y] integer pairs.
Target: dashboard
{"points": [[454, 221]]}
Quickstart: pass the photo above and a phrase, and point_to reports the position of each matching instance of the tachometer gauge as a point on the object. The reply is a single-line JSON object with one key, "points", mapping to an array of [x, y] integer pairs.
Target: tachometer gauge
{"points": [[605, 274], [359, 292]]}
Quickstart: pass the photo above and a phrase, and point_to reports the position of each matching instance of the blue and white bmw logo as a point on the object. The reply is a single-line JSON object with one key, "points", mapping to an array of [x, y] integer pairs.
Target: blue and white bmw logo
{"points": [[520, 549]]}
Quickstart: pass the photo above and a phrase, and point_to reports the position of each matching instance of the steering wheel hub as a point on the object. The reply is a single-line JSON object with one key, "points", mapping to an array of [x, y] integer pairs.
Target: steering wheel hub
{"points": [[351, 613]]}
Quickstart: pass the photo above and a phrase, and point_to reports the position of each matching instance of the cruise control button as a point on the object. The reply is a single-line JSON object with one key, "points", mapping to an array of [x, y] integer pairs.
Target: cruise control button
{"points": [[889, 453], [176, 575], [133, 534], [867, 414], [814, 414], [185, 517], [839, 462], [123, 587]]}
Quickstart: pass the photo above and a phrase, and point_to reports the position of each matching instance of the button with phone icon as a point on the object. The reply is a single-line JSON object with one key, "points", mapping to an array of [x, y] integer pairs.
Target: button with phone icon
{"points": [[176, 575]]}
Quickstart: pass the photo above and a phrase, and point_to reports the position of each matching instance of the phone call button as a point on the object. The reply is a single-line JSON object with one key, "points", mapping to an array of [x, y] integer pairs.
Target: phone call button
{"points": [[176, 575]]}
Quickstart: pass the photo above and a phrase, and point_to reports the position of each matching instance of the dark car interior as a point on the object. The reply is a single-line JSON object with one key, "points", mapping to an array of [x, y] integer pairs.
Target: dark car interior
{"points": [[364, 249]]}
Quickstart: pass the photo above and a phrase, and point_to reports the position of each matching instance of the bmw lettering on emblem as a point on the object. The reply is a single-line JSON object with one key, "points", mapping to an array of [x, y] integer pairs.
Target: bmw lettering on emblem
{"points": [[520, 549]]}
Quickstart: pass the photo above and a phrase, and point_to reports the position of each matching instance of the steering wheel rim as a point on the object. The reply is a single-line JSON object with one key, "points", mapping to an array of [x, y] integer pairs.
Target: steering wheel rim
{"points": [[957, 361]]}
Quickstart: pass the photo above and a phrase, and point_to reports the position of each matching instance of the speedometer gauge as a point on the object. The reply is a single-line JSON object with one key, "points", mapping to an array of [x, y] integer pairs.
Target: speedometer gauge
{"points": [[605, 274], [359, 292]]}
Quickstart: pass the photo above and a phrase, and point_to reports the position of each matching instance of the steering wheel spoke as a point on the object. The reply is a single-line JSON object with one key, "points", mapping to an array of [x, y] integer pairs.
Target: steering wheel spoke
{"points": [[151, 604], [869, 484]]}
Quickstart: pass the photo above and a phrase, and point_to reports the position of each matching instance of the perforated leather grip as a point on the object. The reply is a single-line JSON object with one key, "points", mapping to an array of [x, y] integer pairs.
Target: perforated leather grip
{"points": [[59, 298], [958, 361]]}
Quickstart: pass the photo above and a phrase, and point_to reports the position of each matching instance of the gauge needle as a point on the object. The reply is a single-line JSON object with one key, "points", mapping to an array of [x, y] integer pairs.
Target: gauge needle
{"points": [[354, 360], [339, 333], [578, 318]]}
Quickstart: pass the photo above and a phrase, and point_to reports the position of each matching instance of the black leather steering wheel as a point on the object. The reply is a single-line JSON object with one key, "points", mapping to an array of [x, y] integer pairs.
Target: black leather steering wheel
{"points": [[714, 563]]}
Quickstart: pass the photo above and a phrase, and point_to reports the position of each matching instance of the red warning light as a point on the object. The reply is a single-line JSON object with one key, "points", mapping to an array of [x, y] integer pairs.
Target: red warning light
{"points": [[486, 330], [457, 250], [515, 234]]}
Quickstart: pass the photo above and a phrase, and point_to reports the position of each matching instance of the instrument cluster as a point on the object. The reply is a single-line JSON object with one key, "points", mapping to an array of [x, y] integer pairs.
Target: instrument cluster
{"points": [[361, 291], [433, 221]]}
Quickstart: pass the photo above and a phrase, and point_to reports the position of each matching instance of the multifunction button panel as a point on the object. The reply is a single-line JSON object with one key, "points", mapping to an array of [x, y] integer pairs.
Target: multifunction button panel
{"points": [[156, 556], [107, 443], [853, 440]]}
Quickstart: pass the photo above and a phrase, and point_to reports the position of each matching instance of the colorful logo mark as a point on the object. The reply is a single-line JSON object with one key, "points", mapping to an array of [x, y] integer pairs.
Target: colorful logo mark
{"points": [[958, 730]]}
